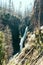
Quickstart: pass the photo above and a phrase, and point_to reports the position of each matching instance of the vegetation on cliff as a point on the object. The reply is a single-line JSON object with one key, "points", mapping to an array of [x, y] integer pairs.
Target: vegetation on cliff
{"points": [[12, 27], [2, 51], [33, 50]]}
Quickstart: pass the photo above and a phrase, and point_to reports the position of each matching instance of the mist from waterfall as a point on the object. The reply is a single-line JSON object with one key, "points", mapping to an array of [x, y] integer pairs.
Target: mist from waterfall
{"points": [[18, 5]]}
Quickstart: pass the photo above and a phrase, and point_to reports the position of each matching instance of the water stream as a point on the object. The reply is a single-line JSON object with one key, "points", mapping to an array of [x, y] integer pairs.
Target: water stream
{"points": [[23, 38]]}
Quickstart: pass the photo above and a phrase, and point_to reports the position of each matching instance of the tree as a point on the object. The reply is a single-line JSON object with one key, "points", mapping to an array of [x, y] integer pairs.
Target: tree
{"points": [[2, 52], [8, 41], [38, 13]]}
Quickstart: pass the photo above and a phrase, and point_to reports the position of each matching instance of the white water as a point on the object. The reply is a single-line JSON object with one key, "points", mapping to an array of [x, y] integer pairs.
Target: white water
{"points": [[23, 38]]}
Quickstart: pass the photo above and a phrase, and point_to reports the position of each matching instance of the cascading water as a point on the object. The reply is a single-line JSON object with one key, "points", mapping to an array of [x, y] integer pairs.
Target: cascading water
{"points": [[23, 38]]}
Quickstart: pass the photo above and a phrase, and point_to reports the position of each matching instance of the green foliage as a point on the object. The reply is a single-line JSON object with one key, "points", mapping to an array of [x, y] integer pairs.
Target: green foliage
{"points": [[2, 53]]}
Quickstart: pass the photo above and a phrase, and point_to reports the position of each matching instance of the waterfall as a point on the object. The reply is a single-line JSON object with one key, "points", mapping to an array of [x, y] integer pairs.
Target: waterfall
{"points": [[23, 38]]}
